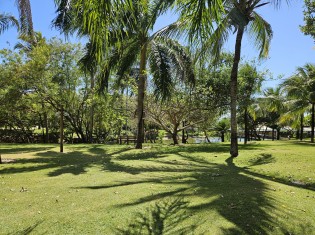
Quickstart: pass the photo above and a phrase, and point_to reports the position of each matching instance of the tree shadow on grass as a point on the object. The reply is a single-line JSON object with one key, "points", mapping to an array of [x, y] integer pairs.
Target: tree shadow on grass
{"points": [[262, 159], [27, 230], [162, 218], [74, 162], [60, 163], [16, 149], [237, 194]]}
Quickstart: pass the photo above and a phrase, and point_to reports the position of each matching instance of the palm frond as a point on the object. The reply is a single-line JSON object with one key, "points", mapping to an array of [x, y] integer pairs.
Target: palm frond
{"points": [[262, 33], [88, 62], [65, 21], [7, 21], [161, 71], [159, 7], [201, 15], [214, 44]]}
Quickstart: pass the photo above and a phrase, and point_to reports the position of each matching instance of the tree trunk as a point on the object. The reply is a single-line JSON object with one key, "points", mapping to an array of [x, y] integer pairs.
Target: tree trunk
{"points": [[183, 134], [141, 90], [298, 134], [174, 137], [313, 122], [222, 136], [207, 137], [245, 126], [46, 135], [302, 124], [91, 126], [278, 133], [233, 92], [46, 127], [61, 129]]}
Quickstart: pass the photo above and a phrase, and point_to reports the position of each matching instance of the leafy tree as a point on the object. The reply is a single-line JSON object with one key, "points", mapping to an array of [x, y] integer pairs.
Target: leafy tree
{"points": [[309, 10], [300, 90], [250, 80], [172, 113]]}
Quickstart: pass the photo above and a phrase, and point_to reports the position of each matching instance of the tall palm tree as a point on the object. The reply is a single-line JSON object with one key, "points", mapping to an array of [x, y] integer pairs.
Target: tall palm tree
{"points": [[25, 23], [210, 24], [241, 17], [123, 34], [7, 21], [300, 89], [167, 59], [25, 14]]}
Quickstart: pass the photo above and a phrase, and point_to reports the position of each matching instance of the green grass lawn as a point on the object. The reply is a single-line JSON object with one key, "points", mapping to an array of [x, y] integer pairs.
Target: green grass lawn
{"points": [[191, 189]]}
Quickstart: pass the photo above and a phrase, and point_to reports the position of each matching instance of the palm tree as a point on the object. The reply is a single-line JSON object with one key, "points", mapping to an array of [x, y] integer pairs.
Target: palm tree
{"points": [[25, 13], [274, 104], [167, 60], [127, 40], [210, 24], [222, 127], [96, 19], [300, 90], [240, 16], [25, 23], [7, 21]]}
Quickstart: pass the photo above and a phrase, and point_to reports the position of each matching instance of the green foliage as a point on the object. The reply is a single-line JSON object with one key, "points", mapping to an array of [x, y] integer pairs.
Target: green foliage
{"points": [[161, 135], [309, 10], [43, 77]]}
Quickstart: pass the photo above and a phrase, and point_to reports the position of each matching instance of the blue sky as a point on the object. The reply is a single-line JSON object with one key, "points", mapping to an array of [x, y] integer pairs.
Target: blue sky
{"points": [[289, 47]]}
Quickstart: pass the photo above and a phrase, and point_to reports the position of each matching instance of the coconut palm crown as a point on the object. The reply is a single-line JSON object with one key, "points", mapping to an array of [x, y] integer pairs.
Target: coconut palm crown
{"points": [[300, 89]]}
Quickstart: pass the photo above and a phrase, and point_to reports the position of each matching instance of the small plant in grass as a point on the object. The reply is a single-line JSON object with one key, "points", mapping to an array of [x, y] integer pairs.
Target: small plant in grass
{"points": [[161, 135]]}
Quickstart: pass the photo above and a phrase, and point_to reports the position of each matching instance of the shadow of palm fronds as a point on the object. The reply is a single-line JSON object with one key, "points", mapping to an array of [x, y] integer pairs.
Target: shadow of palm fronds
{"points": [[162, 218], [262, 159]]}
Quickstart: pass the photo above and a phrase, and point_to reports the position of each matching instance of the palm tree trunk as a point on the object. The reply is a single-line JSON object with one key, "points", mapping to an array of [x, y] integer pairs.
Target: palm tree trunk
{"points": [[46, 127], [313, 122], [233, 92], [61, 129], [91, 126], [245, 126], [278, 133], [301, 126], [273, 134], [141, 90]]}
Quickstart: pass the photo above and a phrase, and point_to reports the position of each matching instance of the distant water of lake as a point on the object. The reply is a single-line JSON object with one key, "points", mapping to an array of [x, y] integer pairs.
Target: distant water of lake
{"points": [[201, 140]]}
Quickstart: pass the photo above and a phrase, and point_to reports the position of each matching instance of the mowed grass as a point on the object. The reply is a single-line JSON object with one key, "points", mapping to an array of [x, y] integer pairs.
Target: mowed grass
{"points": [[191, 189]]}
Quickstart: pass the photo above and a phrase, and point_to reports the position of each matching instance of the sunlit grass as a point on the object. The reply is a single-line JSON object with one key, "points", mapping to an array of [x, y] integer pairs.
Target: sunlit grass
{"points": [[101, 189]]}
